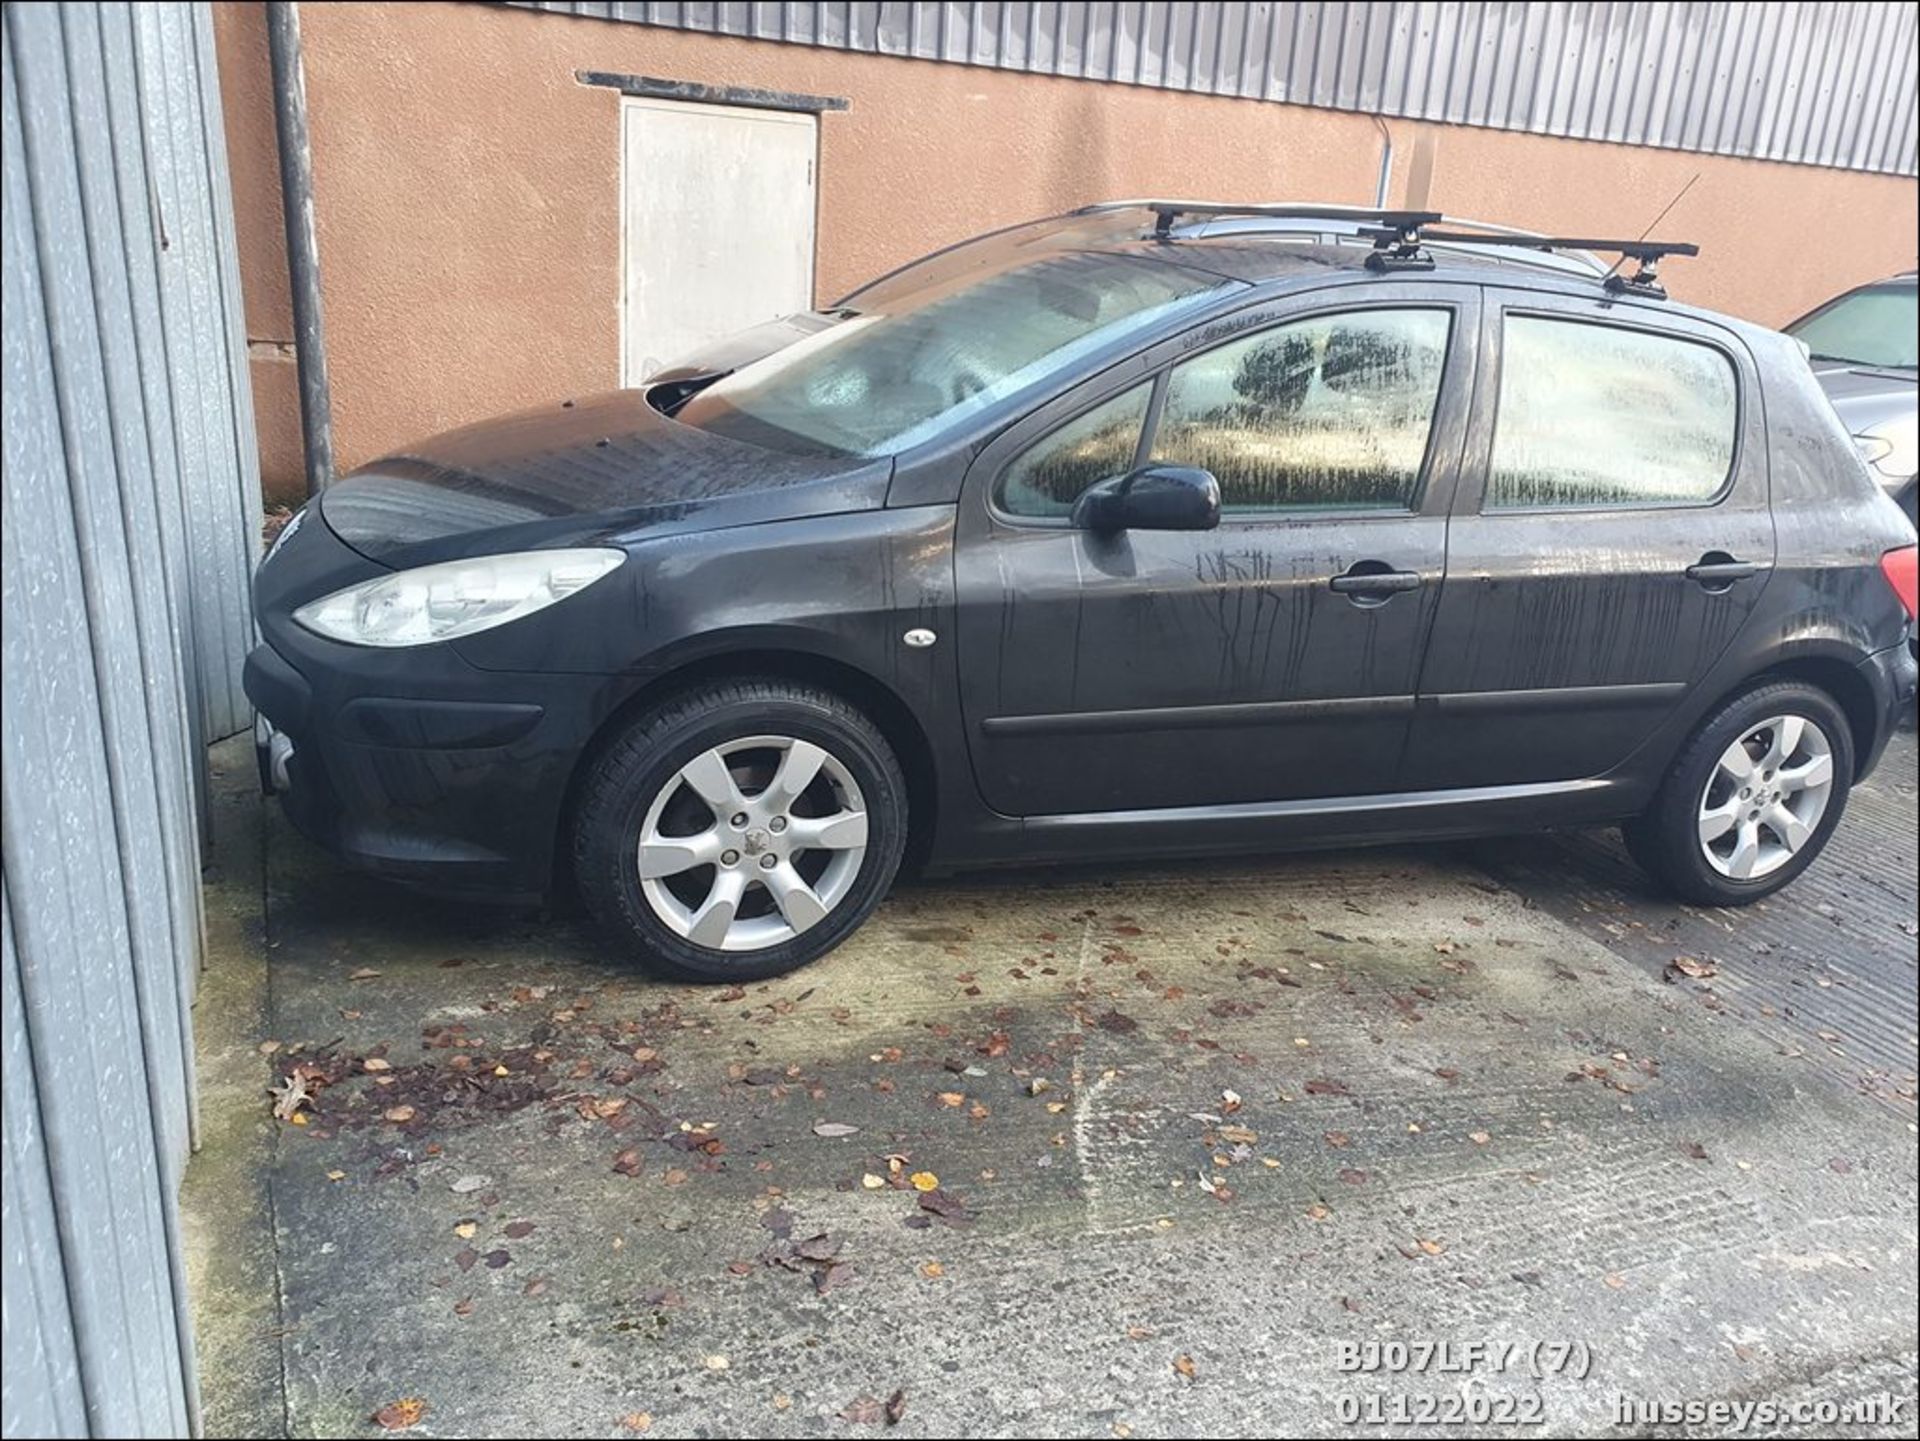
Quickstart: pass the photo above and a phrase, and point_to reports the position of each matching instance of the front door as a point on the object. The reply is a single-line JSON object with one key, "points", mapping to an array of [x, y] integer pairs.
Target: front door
{"points": [[716, 233], [1612, 536], [1273, 658]]}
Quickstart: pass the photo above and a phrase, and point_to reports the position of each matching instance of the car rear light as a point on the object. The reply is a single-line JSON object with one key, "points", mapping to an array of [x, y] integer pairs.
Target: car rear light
{"points": [[1902, 570]]}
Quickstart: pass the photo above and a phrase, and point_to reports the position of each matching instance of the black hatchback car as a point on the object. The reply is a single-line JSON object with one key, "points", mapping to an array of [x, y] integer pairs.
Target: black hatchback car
{"points": [[1108, 534]]}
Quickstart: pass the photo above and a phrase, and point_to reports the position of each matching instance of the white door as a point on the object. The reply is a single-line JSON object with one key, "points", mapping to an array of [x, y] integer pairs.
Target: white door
{"points": [[716, 225]]}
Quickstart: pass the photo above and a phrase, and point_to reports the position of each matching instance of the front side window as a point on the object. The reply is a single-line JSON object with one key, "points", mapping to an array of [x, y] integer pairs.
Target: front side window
{"points": [[1598, 415], [1048, 478], [911, 369], [1330, 413]]}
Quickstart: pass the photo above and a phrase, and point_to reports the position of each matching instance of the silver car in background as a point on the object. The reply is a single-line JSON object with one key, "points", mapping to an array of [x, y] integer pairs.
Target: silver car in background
{"points": [[1864, 346]]}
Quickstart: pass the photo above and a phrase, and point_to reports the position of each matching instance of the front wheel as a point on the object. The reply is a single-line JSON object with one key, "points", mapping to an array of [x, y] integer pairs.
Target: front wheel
{"points": [[741, 829], [1752, 798]]}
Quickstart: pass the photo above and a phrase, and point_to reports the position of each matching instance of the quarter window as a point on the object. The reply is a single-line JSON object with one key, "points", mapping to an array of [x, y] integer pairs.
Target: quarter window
{"points": [[1048, 478], [1329, 413], [1598, 415]]}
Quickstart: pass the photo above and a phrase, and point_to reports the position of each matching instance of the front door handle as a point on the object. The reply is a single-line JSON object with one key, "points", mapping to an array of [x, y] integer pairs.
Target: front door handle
{"points": [[1717, 571], [1373, 582]]}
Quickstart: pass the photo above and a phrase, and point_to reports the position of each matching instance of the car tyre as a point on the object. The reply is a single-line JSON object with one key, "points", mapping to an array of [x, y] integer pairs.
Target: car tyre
{"points": [[656, 800], [1702, 793]]}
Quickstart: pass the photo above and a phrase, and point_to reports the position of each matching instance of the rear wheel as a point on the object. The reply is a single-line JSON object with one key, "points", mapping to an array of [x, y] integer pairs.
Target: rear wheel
{"points": [[1752, 798], [741, 829]]}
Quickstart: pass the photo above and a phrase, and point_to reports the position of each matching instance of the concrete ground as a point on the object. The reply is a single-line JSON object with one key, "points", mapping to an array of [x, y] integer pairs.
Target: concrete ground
{"points": [[1192, 1133]]}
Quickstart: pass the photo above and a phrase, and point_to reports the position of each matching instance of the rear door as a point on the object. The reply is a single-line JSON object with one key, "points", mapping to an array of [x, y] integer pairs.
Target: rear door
{"points": [[1272, 658], [1611, 536]]}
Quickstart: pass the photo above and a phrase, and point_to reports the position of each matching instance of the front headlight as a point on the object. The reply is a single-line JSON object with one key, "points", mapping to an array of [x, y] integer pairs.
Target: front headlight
{"points": [[459, 597]]}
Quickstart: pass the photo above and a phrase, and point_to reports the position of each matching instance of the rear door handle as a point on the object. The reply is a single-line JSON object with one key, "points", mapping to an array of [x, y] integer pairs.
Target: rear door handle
{"points": [[1718, 574], [1371, 580]]}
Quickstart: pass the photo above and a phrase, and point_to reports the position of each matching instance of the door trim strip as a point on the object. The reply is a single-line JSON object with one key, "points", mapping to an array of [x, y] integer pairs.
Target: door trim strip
{"points": [[1199, 717], [1574, 697]]}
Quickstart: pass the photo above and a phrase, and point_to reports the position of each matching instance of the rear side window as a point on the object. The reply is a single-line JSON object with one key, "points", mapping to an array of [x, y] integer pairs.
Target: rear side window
{"points": [[1595, 415], [1328, 413]]}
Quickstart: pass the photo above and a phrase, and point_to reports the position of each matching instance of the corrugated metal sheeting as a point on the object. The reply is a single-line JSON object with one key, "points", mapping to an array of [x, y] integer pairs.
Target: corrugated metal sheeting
{"points": [[1811, 83], [131, 512]]}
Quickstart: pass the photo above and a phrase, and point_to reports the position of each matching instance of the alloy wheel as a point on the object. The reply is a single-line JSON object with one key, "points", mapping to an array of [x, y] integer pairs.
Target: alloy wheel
{"points": [[752, 842], [1766, 795]]}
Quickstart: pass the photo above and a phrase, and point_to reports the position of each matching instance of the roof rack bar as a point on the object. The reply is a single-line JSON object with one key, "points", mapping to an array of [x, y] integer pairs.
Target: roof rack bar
{"points": [[1167, 211], [1632, 249]]}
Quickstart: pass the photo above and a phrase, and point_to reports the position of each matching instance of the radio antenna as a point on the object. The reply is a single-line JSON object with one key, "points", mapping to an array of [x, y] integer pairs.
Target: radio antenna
{"points": [[1655, 221]]}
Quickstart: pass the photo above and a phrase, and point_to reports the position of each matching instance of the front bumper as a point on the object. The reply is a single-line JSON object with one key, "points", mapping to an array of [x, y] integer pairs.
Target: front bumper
{"points": [[456, 785]]}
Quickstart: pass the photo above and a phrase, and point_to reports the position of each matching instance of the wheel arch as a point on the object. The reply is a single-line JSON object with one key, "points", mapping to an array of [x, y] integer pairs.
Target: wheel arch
{"points": [[875, 698], [1839, 678]]}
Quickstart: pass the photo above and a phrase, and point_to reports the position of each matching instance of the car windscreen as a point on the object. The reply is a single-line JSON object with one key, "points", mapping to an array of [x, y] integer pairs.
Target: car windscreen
{"points": [[1874, 326], [890, 378]]}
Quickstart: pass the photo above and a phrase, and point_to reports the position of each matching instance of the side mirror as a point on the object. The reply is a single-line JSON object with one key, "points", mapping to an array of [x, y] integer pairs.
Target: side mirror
{"points": [[1154, 497]]}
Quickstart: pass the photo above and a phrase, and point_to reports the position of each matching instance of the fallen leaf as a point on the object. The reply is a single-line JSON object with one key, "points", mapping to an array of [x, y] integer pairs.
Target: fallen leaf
{"points": [[951, 1098], [1432, 1248], [1479, 1138], [628, 1162], [924, 1181], [636, 1420], [399, 1115], [833, 1129], [289, 1096], [896, 1407], [1338, 1138], [336, 1175], [1184, 1365], [376, 1063], [873, 1182], [516, 1230], [1614, 1279], [399, 1415], [465, 1230], [1139, 1333], [1694, 1150], [1694, 970], [863, 1410], [933, 1270], [367, 973], [1317, 1212], [470, 1183], [717, 1363]]}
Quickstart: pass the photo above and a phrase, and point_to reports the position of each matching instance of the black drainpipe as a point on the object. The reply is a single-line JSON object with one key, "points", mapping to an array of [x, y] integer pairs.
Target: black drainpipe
{"points": [[303, 253]]}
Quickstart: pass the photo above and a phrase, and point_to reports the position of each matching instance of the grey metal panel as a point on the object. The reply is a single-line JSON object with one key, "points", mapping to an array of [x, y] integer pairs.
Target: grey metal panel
{"points": [[1810, 83], [40, 1371], [214, 467], [130, 523]]}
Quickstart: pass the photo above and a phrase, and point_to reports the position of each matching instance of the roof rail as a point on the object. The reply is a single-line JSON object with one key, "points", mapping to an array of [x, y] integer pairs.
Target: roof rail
{"points": [[1400, 237], [1393, 248]]}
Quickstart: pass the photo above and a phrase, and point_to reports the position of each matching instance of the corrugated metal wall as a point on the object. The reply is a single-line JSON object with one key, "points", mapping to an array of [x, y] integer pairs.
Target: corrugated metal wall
{"points": [[1811, 83], [131, 515]]}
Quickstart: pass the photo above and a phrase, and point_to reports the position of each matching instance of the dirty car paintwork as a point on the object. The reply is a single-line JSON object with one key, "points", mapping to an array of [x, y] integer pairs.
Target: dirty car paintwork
{"points": [[1173, 692]]}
